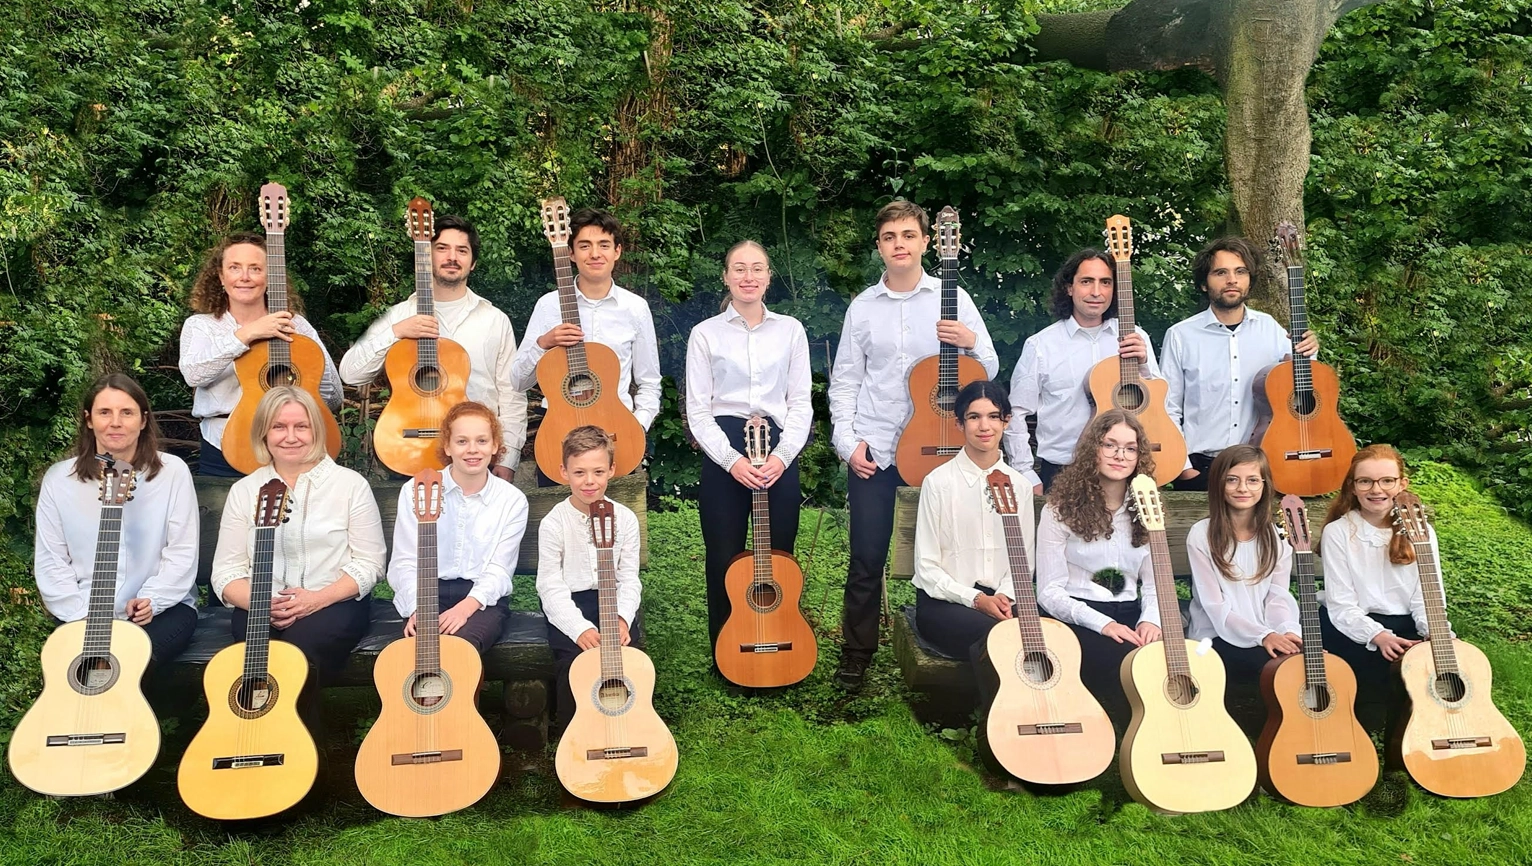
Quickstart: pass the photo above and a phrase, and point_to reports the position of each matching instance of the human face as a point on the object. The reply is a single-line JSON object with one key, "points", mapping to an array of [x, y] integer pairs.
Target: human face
{"points": [[451, 258], [1091, 292], [1228, 281], [587, 475], [594, 253], [747, 275], [1243, 486], [1376, 482], [901, 243], [983, 426], [290, 437], [117, 422], [1117, 456], [244, 274], [470, 447]]}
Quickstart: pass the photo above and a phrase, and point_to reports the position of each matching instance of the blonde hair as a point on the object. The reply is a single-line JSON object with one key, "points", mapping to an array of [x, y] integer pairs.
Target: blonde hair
{"points": [[266, 413]]}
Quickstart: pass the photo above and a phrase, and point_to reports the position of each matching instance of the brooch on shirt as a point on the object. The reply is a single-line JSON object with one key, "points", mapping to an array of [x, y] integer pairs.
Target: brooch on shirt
{"points": [[1111, 578]]}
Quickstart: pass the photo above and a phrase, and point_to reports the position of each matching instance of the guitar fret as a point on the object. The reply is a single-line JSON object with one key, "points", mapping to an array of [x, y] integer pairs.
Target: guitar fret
{"points": [[1171, 631], [102, 607], [425, 302], [258, 620], [569, 305], [277, 351], [760, 531], [947, 354], [427, 601], [1308, 615], [1027, 616], [1303, 375], [1128, 367], [1442, 652]]}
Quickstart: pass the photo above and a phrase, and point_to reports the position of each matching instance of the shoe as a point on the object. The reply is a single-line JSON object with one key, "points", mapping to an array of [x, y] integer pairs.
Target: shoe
{"points": [[852, 673]]}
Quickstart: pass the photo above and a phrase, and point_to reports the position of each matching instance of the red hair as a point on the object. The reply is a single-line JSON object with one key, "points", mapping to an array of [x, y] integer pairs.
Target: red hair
{"points": [[1400, 550], [467, 409]]}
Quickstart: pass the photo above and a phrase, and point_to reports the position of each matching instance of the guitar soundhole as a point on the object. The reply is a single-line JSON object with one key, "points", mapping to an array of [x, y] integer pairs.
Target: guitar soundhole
{"points": [[92, 675], [1182, 690], [280, 374], [1037, 667], [581, 389], [943, 401], [427, 692], [428, 380], [613, 696], [1131, 397], [253, 697], [764, 597], [1450, 687], [1303, 404], [1316, 699]]}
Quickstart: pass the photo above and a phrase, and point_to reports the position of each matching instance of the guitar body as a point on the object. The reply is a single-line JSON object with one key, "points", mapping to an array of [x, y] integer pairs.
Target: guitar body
{"points": [[1288, 430], [1295, 734], [1146, 401], [623, 722], [765, 613], [576, 399], [1477, 771], [469, 756], [420, 399], [1053, 694], [239, 793], [1160, 728], [62, 710], [256, 375], [932, 435]]}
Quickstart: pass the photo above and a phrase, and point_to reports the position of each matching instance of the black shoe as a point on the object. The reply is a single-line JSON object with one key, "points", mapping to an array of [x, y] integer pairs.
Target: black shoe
{"points": [[852, 673]]}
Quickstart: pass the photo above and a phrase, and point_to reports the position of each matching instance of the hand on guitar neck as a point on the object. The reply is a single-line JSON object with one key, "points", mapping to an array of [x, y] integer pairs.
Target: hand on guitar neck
{"points": [[1131, 345], [417, 327], [563, 334], [591, 638], [758, 478], [278, 325], [955, 333]]}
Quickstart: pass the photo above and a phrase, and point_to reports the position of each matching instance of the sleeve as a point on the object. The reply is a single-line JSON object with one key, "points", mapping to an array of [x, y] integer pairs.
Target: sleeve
{"points": [[629, 589], [646, 367], [1151, 367], [364, 360], [1175, 377], [207, 351], [172, 582], [552, 590], [528, 353], [845, 385], [1281, 607], [800, 400], [494, 582], [929, 573], [512, 400], [365, 534], [1341, 601], [330, 389], [699, 403], [983, 348], [1024, 400], [403, 565], [1148, 590], [1053, 577], [1208, 586], [60, 590], [231, 556]]}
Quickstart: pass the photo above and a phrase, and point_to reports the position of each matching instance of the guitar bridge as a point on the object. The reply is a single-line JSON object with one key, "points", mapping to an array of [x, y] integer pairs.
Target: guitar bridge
{"points": [[422, 432], [765, 647], [1191, 757], [1310, 454], [1049, 728], [1461, 743], [114, 739], [616, 752], [241, 762], [436, 757], [940, 450], [1325, 758]]}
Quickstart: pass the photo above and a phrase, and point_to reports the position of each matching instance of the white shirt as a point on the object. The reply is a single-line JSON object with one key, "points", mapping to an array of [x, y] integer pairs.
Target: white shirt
{"points": [[484, 332], [333, 526], [157, 551], [1241, 612], [1359, 579], [566, 564], [620, 321], [208, 350], [1211, 371], [884, 335], [960, 539], [1066, 564], [1050, 382], [734, 370], [478, 537]]}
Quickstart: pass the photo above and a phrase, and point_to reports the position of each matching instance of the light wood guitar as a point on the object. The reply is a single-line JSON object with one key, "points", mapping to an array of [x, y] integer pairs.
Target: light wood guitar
{"points": [[581, 381], [426, 377], [932, 435], [1313, 751], [429, 752], [1118, 383], [91, 731], [1301, 431], [1454, 742], [616, 749], [766, 641], [274, 362], [253, 756], [1044, 726], [1182, 753]]}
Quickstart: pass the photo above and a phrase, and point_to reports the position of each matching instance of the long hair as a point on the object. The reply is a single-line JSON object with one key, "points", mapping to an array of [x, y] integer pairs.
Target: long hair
{"points": [[146, 458], [1063, 304], [1400, 550], [1221, 540], [466, 409], [728, 295], [266, 414], [208, 295], [1076, 496]]}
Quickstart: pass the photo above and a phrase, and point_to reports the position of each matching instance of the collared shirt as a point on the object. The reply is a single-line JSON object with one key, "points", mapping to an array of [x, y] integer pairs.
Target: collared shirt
{"points": [[1211, 372], [566, 564], [478, 537], [1050, 381], [960, 538], [620, 321], [1360, 581], [884, 335], [734, 370], [157, 550], [208, 350], [333, 527], [484, 332], [1066, 563], [1241, 611]]}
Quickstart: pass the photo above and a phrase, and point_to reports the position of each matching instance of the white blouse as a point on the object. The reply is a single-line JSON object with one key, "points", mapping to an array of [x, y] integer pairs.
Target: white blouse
{"points": [[734, 370], [478, 537], [566, 564], [1359, 579], [1066, 564], [1239, 611], [960, 538]]}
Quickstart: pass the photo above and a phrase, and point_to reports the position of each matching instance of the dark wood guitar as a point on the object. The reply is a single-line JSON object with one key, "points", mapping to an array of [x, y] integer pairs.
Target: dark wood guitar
{"points": [[426, 377], [274, 362], [766, 641], [1301, 431], [1313, 751], [1118, 383], [580, 382], [1454, 742], [932, 435]]}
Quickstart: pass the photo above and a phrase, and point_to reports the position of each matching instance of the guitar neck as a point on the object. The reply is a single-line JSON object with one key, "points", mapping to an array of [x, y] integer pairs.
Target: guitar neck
{"points": [[611, 633], [760, 534], [1125, 323], [1436, 609], [1308, 615], [427, 601], [425, 302], [947, 363], [569, 305], [1170, 609], [258, 623], [1303, 376], [103, 583], [1021, 581], [276, 292]]}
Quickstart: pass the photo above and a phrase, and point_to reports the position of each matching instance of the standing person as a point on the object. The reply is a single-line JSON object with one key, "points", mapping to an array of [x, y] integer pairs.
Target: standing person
{"points": [[745, 361], [467, 319], [229, 302], [1212, 359], [1051, 376], [888, 328], [157, 555]]}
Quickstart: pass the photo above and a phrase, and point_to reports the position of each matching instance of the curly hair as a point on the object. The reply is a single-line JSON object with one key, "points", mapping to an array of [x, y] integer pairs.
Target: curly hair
{"points": [[1076, 495], [1063, 305], [1400, 550], [208, 295]]}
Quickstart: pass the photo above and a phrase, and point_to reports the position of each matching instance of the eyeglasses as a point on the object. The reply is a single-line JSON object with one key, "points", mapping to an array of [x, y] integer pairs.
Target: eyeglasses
{"points": [[1365, 484], [1234, 481], [754, 271], [1111, 449]]}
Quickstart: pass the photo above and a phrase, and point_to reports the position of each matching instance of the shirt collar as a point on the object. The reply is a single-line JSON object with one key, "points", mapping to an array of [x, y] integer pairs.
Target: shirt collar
{"points": [[611, 296], [971, 472], [1072, 326], [732, 315], [1368, 534], [1206, 319], [927, 282]]}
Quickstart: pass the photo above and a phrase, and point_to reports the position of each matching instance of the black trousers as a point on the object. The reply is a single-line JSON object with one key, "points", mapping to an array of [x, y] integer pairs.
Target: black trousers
{"points": [[483, 627], [1101, 659], [871, 502], [1242, 669], [1380, 694], [565, 650], [170, 633], [960, 632], [724, 510], [1046, 472], [1202, 463], [210, 462]]}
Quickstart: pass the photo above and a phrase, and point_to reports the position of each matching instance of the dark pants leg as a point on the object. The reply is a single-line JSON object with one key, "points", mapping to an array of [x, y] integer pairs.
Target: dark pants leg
{"points": [[542, 479], [564, 651], [1046, 471], [1101, 660], [210, 462], [960, 632], [1242, 669], [326, 638], [1380, 693], [871, 503], [170, 633], [483, 627], [1202, 463]]}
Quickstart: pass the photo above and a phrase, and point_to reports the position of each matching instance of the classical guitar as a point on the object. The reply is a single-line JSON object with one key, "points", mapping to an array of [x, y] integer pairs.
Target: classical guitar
{"points": [[932, 435], [1117, 383], [253, 756], [616, 749], [426, 377], [1313, 751], [1182, 752], [766, 641], [1301, 431], [580, 382], [274, 362], [1044, 726], [1454, 741], [91, 731], [429, 752]]}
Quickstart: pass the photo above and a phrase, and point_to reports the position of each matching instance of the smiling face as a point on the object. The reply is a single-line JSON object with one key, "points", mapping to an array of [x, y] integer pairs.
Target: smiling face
{"points": [[587, 474], [290, 438], [983, 425], [594, 253], [1376, 481], [747, 274], [116, 421], [901, 243], [1117, 457], [470, 446], [244, 274], [1243, 486], [1091, 290], [1228, 284], [451, 258]]}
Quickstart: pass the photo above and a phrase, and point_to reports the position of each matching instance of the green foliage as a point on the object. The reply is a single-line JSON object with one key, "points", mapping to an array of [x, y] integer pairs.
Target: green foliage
{"points": [[24, 625]]}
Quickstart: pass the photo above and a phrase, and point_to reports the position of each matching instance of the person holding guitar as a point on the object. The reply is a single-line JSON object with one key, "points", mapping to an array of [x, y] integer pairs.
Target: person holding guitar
{"points": [[888, 328], [229, 304]]}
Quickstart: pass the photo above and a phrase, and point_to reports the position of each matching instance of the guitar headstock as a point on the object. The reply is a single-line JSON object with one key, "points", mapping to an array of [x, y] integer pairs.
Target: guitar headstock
{"points": [[1289, 244], [1295, 523], [420, 219], [949, 233], [1119, 237], [603, 524], [556, 221], [117, 484], [1147, 506], [427, 495], [757, 441], [1002, 494], [1411, 518], [274, 208], [271, 504]]}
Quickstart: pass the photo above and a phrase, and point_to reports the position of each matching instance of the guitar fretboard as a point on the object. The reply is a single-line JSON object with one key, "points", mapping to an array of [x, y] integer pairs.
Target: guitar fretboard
{"points": [[1303, 375], [277, 351], [1127, 367], [1442, 652], [425, 303], [760, 535], [611, 634], [1170, 609], [103, 583], [258, 624], [569, 305], [1021, 578], [1308, 615], [947, 357], [427, 602]]}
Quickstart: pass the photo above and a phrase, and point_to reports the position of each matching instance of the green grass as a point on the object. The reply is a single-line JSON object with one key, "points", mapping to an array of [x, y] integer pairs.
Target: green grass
{"points": [[808, 775]]}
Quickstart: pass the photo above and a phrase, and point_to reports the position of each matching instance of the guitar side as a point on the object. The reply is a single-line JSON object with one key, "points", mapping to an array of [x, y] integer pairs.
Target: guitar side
{"points": [[605, 410], [251, 369], [1282, 432], [622, 779], [1476, 771], [783, 624], [1108, 392], [932, 425], [1291, 753], [411, 407]]}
